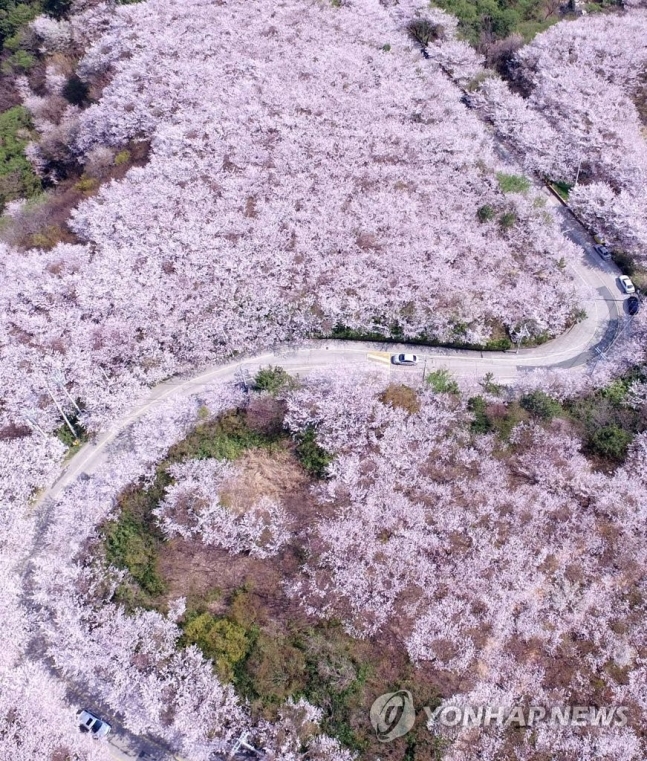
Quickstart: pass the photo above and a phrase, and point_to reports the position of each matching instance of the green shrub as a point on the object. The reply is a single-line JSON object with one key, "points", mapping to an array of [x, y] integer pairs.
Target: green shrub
{"points": [[225, 438], [485, 213], [87, 184], [224, 641], [314, 458], [132, 543], [442, 382], [20, 62], [513, 183], [272, 379], [610, 441], [616, 391], [276, 668], [481, 422], [14, 15], [489, 385], [498, 344], [17, 178], [507, 220], [563, 189], [123, 157], [539, 404]]}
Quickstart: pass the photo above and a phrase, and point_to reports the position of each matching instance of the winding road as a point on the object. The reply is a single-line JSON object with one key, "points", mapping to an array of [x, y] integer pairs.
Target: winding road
{"points": [[604, 311], [603, 303]]}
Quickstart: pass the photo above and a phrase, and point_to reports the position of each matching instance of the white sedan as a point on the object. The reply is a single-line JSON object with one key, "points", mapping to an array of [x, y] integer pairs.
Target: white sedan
{"points": [[404, 359], [626, 284], [88, 722]]}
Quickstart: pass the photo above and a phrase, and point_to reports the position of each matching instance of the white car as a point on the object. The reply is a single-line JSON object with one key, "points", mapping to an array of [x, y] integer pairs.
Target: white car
{"points": [[603, 251], [626, 284], [404, 359], [88, 722]]}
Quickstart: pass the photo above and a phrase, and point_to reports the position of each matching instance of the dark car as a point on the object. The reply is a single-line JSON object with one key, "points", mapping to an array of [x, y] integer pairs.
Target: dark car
{"points": [[603, 251], [633, 305]]}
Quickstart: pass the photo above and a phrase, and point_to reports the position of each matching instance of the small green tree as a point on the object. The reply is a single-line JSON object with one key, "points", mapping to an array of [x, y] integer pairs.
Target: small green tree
{"points": [[507, 220], [489, 386], [17, 178], [442, 382], [485, 213], [616, 392], [539, 404], [224, 641], [481, 422], [610, 442], [314, 458], [272, 379], [57, 8]]}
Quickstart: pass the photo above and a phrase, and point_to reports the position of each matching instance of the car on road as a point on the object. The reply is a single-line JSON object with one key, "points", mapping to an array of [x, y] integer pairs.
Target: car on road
{"points": [[626, 284], [633, 305], [88, 722], [404, 359], [603, 251]]}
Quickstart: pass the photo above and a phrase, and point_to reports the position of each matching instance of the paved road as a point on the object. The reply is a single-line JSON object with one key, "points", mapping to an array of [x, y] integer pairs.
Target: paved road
{"points": [[603, 305]]}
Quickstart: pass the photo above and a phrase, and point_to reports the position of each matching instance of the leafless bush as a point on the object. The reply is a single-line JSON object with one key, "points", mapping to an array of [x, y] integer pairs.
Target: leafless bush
{"points": [[99, 162], [424, 31]]}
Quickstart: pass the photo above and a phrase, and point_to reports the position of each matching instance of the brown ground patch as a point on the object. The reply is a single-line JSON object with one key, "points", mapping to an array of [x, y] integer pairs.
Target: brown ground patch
{"points": [[276, 475], [193, 570], [196, 572]]}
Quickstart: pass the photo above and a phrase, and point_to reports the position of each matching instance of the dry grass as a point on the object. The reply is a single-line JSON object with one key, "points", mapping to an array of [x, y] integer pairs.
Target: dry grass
{"points": [[401, 397], [276, 475]]}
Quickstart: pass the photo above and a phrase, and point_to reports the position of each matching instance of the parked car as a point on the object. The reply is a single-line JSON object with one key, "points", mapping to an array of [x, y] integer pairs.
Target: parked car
{"points": [[603, 251], [633, 305], [88, 722], [404, 359], [626, 284]]}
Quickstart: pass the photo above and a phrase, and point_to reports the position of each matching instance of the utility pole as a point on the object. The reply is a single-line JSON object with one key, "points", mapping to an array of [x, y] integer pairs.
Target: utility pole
{"points": [[424, 370], [62, 411], [604, 352], [242, 743], [59, 380], [518, 335], [579, 167], [245, 378], [33, 423]]}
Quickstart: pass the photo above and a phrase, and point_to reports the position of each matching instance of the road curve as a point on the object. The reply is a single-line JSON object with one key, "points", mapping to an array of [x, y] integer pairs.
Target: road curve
{"points": [[602, 301]]}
